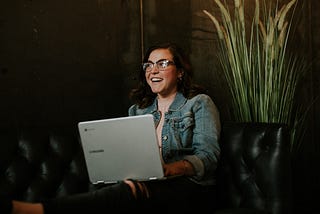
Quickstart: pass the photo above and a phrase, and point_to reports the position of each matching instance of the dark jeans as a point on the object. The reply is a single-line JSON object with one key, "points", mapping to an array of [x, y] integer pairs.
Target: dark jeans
{"points": [[181, 195], [171, 195]]}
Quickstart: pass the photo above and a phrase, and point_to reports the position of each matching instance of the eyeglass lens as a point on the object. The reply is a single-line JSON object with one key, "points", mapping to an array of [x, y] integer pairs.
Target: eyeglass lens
{"points": [[161, 64]]}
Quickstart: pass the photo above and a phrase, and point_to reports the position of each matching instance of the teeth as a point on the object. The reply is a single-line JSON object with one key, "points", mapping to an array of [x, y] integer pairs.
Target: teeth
{"points": [[154, 79]]}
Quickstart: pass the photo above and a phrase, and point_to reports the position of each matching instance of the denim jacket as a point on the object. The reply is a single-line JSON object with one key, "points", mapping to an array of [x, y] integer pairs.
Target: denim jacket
{"points": [[191, 131]]}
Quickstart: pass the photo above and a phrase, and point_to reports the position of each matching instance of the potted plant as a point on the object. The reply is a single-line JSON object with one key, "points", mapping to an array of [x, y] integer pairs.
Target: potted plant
{"points": [[261, 73]]}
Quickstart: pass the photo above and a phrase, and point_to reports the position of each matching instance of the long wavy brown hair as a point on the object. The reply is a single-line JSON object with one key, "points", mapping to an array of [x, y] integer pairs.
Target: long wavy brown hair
{"points": [[142, 94]]}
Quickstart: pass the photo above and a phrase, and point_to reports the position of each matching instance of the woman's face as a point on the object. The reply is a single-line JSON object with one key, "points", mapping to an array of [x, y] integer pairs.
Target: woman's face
{"points": [[162, 81]]}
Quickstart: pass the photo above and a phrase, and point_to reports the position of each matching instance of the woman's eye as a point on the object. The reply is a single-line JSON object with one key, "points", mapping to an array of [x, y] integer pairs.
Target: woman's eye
{"points": [[163, 64]]}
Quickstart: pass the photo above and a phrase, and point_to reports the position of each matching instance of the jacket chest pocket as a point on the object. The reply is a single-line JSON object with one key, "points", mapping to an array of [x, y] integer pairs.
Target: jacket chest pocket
{"points": [[183, 130]]}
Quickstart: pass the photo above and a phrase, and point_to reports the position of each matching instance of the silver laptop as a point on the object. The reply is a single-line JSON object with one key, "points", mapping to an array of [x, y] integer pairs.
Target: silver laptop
{"points": [[121, 148]]}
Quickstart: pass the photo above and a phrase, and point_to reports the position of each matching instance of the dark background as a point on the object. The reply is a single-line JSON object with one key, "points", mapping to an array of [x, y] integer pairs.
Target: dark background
{"points": [[62, 62]]}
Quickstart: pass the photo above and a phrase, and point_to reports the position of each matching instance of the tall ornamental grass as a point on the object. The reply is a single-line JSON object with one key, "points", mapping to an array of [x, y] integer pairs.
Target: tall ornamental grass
{"points": [[261, 73]]}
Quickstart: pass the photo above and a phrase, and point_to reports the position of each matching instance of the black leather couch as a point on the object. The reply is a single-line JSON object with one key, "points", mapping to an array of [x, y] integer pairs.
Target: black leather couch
{"points": [[254, 174]]}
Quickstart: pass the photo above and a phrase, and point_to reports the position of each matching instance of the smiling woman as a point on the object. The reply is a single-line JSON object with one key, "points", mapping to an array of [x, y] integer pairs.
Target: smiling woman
{"points": [[188, 130], [143, 95], [163, 80]]}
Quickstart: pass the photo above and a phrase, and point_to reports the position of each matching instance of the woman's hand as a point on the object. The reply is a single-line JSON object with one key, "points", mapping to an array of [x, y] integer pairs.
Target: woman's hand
{"points": [[182, 167]]}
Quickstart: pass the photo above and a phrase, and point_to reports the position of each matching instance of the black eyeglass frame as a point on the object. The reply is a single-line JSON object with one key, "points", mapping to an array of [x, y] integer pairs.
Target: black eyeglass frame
{"points": [[161, 64]]}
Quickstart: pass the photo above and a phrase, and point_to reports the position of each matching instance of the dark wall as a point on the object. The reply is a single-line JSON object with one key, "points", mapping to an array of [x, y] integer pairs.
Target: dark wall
{"points": [[62, 62], [65, 61]]}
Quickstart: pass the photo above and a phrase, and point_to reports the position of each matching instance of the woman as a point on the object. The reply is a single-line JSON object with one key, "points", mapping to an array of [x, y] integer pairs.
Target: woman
{"points": [[188, 128]]}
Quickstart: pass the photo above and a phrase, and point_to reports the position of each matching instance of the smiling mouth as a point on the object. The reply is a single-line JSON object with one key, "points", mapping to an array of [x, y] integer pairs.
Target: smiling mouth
{"points": [[156, 79]]}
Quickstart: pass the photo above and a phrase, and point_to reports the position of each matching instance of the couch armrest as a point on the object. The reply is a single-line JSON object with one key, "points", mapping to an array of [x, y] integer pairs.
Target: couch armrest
{"points": [[255, 168], [41, 162]]}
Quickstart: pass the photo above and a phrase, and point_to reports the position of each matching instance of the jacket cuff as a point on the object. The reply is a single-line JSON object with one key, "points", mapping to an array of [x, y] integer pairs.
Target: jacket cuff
{"points": [[197, 165]]}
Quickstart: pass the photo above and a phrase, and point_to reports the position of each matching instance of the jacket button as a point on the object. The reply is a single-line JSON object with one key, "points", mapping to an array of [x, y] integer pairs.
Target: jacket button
{"points": [[165, 137]]}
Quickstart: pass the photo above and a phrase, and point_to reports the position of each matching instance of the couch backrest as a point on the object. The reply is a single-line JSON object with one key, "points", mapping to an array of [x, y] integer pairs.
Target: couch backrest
{"points": [[254, 170], [41, 162], [37, 163]]}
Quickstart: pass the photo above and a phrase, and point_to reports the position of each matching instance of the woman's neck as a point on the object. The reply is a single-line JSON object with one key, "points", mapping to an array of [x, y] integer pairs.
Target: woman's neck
{"points": [[165, 101]]}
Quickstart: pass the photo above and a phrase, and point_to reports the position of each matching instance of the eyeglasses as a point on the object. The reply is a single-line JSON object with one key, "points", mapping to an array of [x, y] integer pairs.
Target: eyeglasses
{"points": [[162, 64]]}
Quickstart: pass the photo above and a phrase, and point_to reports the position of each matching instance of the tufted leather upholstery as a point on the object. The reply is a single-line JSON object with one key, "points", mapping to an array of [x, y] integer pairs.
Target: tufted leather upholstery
{"points": [[40, 162], [254, 172]]}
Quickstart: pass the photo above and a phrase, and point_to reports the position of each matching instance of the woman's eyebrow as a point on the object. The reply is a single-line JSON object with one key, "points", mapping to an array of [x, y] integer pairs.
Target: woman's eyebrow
{"points": [[157, 61]]}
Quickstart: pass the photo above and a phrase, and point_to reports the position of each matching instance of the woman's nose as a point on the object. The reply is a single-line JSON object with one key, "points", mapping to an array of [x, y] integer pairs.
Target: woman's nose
{"points": [[155, 69]]}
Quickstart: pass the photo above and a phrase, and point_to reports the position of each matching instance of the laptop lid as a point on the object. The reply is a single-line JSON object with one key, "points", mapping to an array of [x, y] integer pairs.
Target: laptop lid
{"points": [[121, 148]]}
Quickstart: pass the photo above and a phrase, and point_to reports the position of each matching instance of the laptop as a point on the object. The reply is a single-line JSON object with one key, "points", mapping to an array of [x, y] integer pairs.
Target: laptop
{"points": [[121, 148]]}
